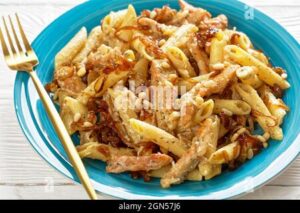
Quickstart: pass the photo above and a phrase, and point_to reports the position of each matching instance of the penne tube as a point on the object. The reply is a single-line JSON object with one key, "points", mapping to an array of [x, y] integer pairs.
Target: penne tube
{"points": [[216, 49], [180, 36], [225, 154], [181, 62], [189, 83], [236, 107], [110, 80], [162, 138], [259, 55], [159, 173], [113, 20], [140, 72], [205, 110], [264, 72], [216, 169], [99, 86], [93, 41], [69, 108], [130, 19], [140, 46], [241, 39], [72, 48], [102, 152], [260, 111], [275, 105], [247, 75], [194, 175]]}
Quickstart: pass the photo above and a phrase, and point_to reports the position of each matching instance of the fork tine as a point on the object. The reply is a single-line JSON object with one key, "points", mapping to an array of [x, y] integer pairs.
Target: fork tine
{"points": [[9, 38], [3, 44], [15, 35], [25, 41]]}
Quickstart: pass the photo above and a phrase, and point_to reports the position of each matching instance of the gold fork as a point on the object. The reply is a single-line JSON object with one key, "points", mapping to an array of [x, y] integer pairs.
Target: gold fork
{"points": [[18, 58]]}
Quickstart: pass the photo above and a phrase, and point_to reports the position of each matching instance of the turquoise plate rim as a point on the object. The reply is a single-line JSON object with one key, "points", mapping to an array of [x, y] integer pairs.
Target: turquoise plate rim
{"points": [[56, 161]]}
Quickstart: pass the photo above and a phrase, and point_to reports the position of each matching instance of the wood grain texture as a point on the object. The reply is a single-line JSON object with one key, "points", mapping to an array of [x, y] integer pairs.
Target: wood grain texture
{"points": [[24, 175]]}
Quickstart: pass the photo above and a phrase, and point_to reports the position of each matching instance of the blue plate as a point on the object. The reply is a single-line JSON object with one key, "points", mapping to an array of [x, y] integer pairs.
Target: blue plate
{"points": [[266, 35]]}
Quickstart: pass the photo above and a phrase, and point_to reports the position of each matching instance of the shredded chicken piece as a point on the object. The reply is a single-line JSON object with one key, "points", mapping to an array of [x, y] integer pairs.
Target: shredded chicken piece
{"points": [[217, 84], [191, 158], [161, 15], [140, 163], [106, 60], [196, 15]]}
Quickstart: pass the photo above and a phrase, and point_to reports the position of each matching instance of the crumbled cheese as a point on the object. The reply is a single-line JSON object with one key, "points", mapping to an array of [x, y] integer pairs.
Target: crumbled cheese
{"points": [[77, 116], [209, 83], [250, 154], [81, 72], [152, 14], [87, 124], [266, 135], [161, 42], [165, 65], [142, 95], [226, 111], [129, 55], [138, 104], [218, 66], [175, 115], [284, 75]]}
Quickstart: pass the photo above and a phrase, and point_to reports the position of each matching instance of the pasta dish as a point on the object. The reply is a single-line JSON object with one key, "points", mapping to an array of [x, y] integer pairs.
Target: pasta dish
{"points": [[170, 94]]}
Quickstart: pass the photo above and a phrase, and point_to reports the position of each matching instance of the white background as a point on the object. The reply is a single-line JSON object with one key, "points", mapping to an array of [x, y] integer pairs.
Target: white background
{"points": [[24, 175]]}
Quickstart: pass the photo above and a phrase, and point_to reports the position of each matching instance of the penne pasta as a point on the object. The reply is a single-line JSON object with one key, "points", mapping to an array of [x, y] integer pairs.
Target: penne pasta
{"points": [[225, 154], [93, 41], [130, 19], [248, 76], [241, 39], [113, 21], [236, 107], [69, 108], [216, 49], [181, 62], [102, 152], [262, 114], [180, 36], [276, 106], [194, 175], [149, 132], [141, 72], [259, 55], [264, 72], [72, 48], [205, 110]]}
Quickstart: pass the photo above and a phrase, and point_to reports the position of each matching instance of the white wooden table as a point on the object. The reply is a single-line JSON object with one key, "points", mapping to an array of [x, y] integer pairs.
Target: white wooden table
{"points": [[24, 175]]}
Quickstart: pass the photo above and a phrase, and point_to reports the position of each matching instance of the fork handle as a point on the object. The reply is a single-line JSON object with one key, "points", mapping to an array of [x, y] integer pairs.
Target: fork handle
{"points": [[64, 136]]}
